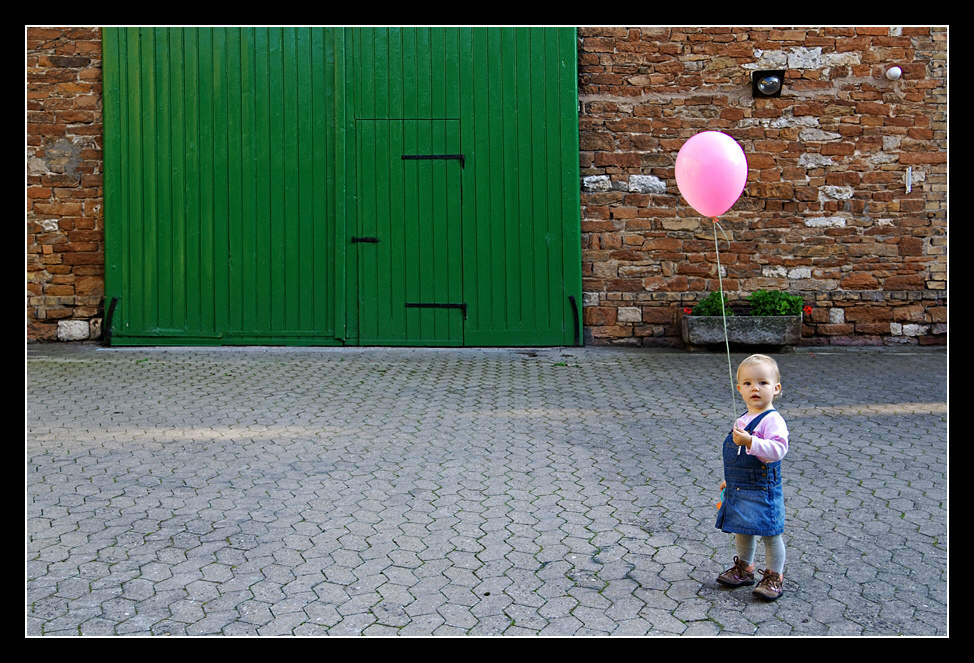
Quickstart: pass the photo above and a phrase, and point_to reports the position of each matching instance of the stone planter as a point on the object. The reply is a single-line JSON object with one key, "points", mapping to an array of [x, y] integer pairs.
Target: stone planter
{"points": [[743, 331]]}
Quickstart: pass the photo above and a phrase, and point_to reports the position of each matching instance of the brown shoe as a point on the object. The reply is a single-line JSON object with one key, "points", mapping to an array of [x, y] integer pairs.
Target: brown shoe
{"points": [[736, 575], [771, 585]]}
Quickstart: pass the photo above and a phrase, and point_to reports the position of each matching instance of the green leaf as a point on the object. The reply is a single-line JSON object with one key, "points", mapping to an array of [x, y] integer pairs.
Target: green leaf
{"points": [[775, 302], [711, 305]]}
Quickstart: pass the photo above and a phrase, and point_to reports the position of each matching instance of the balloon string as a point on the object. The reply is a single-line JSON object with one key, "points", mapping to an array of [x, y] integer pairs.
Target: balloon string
{"points": [[723, 315]]}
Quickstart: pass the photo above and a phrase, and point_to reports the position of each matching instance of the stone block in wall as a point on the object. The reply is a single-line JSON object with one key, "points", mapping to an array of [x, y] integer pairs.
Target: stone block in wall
{"points": [[866, 314], [910, 330], [630, 314], [860, 281], [73, 330], [40, 331], [836, 330], [611, 333], [598, 316], [873, 328], [660, 315], [913, 312], [646, 184]]}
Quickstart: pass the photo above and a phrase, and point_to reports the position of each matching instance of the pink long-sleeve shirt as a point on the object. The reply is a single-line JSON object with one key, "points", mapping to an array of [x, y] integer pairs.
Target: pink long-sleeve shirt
{"points": [[769, 441]]}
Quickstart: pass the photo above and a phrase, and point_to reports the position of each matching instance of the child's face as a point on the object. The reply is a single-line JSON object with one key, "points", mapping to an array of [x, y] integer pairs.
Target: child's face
{"points": [[758, 385]]}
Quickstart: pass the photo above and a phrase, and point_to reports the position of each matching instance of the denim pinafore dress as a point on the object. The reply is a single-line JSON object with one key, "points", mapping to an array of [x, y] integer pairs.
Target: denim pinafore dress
{"points": [[754, 502]]}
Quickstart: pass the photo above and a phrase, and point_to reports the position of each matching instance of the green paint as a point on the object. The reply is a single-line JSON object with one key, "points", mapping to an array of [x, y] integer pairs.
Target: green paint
{"points": [[241, 162]]}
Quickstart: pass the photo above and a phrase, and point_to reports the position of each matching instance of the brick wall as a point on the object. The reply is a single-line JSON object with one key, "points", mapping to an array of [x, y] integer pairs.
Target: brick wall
{"points": [[65, 249], [826, 213]]}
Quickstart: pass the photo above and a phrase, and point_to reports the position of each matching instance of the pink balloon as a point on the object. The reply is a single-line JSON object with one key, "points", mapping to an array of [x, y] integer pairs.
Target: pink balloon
{"points": [[711, 171]]}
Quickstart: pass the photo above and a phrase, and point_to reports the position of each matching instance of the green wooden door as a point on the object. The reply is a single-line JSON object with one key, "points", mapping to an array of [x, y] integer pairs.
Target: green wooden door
{"points": [[408, 240], [512, 95], [242, 163], [220, 185]]}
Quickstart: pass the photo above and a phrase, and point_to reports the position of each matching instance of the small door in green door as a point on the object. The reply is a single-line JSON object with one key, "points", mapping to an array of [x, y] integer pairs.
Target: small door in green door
{"points": [[408, 235]]}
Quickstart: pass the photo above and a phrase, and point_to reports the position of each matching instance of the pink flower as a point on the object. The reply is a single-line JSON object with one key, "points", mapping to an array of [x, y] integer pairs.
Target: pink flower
{"points": [[687, 310]]}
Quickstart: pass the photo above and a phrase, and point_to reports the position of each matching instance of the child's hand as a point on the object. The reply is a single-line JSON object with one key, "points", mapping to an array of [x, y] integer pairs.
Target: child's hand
{"points": [[723, 484], [741, 437]]}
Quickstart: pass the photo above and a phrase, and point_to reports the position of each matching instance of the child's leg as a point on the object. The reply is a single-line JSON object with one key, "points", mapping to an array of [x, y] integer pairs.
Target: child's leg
{"points": [[774, 553], [742, 573], [746, 546]]}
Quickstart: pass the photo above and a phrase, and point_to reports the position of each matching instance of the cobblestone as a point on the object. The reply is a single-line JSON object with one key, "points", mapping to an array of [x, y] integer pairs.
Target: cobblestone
{"points": [[425, 492]]}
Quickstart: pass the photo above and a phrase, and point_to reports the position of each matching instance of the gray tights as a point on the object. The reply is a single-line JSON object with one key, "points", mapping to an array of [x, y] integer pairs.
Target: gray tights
{"points": [[774, 550]]}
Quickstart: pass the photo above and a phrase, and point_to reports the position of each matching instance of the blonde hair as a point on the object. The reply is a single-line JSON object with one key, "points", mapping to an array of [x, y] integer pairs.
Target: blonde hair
{"points": [[760, 359]]}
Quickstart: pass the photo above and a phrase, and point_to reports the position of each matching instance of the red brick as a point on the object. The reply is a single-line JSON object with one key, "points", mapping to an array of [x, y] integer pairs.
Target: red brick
{"points": [[915, 282], [863, 314], [923, 157], [600, 316], [641, 99], [658, 315], [39, 192], [58, 290]]}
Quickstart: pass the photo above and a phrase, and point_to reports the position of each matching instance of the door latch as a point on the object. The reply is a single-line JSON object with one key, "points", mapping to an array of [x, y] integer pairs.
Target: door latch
{"points": [[426, 157]]}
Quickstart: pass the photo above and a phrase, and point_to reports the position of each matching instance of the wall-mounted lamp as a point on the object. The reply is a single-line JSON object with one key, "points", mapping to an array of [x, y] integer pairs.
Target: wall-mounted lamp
{"points": [[894, 73], [767, 83]]}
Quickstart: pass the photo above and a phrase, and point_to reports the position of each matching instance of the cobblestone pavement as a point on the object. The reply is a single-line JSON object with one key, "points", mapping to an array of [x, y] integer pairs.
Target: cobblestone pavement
{"points": [[560, 491]]}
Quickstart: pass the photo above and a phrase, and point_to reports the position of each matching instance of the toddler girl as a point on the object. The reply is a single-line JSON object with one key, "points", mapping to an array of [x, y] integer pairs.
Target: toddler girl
{"points": [[753, 503]]}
